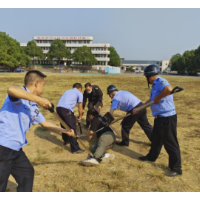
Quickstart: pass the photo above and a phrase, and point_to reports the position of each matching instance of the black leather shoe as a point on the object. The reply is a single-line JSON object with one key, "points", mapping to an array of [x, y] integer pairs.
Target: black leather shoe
{"points": [[146, 158], [79, 151], [172, 173], [121, 144]]}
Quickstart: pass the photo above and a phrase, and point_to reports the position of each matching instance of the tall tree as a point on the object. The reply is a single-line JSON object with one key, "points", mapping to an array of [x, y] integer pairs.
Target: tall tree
{"points": [[34, 51], [196, 60], [25, 59], [9, 51], [84, 55], [58, 51], [174, 62], [114, 57]]}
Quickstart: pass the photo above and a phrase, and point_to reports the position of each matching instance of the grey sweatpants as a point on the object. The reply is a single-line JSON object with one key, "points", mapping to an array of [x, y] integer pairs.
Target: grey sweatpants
{"points": [[104, 142]]}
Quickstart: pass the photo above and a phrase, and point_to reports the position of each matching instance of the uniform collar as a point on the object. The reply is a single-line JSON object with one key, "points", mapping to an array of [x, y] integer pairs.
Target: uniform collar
{"points": [[156, 80], [26, 89], [30, 102]]}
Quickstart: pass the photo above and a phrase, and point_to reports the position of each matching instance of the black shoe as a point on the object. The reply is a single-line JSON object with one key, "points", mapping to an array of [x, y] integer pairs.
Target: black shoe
{"points": [[79, 151], [172, 173], [121, 144], [146, 158]]}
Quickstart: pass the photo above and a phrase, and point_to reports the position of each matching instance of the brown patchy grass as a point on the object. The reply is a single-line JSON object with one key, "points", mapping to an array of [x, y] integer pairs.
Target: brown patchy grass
{"points": [[56, 169]]}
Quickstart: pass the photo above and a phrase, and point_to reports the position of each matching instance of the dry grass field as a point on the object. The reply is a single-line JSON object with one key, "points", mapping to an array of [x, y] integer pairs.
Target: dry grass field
{"points": [[57, 169]]}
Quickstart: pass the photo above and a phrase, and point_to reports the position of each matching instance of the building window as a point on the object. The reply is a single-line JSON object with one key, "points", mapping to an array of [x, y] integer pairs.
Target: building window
{"points": [[50, 41], [40, 41], [45, 41], [68, 41], [46, 48]]}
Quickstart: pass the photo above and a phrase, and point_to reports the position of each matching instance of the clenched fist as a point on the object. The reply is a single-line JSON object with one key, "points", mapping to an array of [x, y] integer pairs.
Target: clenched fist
{"points": [[45, 103]]}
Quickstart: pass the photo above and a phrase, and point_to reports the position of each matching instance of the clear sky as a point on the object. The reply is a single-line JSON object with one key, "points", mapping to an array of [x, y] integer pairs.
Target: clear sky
{"points": [[145, 34]]}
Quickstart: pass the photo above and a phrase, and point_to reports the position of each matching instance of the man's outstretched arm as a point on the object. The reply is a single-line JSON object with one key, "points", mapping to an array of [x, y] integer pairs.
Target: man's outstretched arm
{"points": [[17, 92]]}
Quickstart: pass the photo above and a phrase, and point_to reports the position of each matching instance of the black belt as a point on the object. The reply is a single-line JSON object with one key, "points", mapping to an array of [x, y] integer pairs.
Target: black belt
{"points": [[138, 105], [158, 116]]}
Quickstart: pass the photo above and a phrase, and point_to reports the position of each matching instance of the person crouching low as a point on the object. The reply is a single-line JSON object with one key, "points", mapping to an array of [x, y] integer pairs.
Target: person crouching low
{"points": [[106, 140]]}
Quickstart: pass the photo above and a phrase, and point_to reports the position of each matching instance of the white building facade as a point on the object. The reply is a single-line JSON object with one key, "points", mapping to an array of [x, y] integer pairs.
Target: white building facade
{"points": [[99, 50], [138, 65]]}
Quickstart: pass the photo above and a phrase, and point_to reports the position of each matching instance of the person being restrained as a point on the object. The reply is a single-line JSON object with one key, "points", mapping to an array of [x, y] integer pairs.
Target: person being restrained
{"points": [[106, 139]]}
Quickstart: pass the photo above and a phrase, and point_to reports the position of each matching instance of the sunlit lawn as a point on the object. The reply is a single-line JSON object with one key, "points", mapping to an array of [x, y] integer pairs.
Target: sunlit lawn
{"points": [[56, 169]]}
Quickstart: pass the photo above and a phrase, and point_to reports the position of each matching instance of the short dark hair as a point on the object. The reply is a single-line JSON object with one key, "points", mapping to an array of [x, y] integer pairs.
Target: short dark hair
{"points": [[32, 76], [92, 112], [77, 85], [88, 85]]}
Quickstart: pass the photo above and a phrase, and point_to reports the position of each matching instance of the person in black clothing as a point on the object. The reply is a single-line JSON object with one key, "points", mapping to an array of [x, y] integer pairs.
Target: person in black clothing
{"points": [[106, 140], [95, 97]]}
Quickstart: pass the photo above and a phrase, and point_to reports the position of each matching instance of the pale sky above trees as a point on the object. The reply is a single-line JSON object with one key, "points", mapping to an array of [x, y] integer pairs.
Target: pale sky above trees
{"points": [[136, 34]]}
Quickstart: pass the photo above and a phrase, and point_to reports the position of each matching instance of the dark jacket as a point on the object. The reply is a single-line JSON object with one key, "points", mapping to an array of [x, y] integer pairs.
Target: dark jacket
{"points": [[95, 96]]}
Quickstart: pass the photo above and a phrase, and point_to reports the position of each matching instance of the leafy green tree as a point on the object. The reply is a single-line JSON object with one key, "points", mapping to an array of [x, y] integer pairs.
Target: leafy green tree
{"points": [[84, 55], [174, 63], [58, 51], [114, 57], [34, 51], [196, 60], [25, 60], [9, 51]]}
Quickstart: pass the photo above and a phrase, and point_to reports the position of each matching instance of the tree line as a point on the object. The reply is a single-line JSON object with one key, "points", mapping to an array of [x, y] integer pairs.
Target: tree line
{"points": [[188, 63], [13, 55]]}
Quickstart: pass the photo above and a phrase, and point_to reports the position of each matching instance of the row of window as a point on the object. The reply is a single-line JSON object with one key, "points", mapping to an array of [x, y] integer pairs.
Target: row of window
{"points": [[64, 41], [45, 62], [74, 48], [95, 55]]}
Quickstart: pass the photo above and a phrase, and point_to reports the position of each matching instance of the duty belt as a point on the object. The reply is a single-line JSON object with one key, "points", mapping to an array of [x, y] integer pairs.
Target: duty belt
{"points": [[158, 116]]}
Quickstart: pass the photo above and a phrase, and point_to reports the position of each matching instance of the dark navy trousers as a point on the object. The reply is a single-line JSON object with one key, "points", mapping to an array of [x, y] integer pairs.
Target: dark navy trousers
{"points": [[165, 133], [69, 118], [17, 164], [141, 119]]}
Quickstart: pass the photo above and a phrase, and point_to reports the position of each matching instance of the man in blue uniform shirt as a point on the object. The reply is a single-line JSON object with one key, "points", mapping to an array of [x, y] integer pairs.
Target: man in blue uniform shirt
{"points": [[165, 123], [65, 109], [18, 112], [125, 101]]}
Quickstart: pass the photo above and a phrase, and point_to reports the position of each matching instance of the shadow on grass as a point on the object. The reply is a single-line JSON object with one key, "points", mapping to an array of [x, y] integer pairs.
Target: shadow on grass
{"points": [[46, 135], [128, 152], [58, 162]]}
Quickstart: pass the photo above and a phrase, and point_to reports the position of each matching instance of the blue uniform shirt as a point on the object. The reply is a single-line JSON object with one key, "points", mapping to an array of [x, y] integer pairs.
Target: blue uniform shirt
{"points": [[166, 106], [70, 98], [16, 118], [124, 101]]}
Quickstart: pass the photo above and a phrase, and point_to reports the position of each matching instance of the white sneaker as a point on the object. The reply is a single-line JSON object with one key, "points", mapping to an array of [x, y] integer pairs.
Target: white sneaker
{"points": [[90, 162], [107, 157]]}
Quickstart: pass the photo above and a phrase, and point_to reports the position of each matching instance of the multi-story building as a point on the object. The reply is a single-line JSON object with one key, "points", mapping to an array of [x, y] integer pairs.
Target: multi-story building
{"points": [[99, 50]]}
